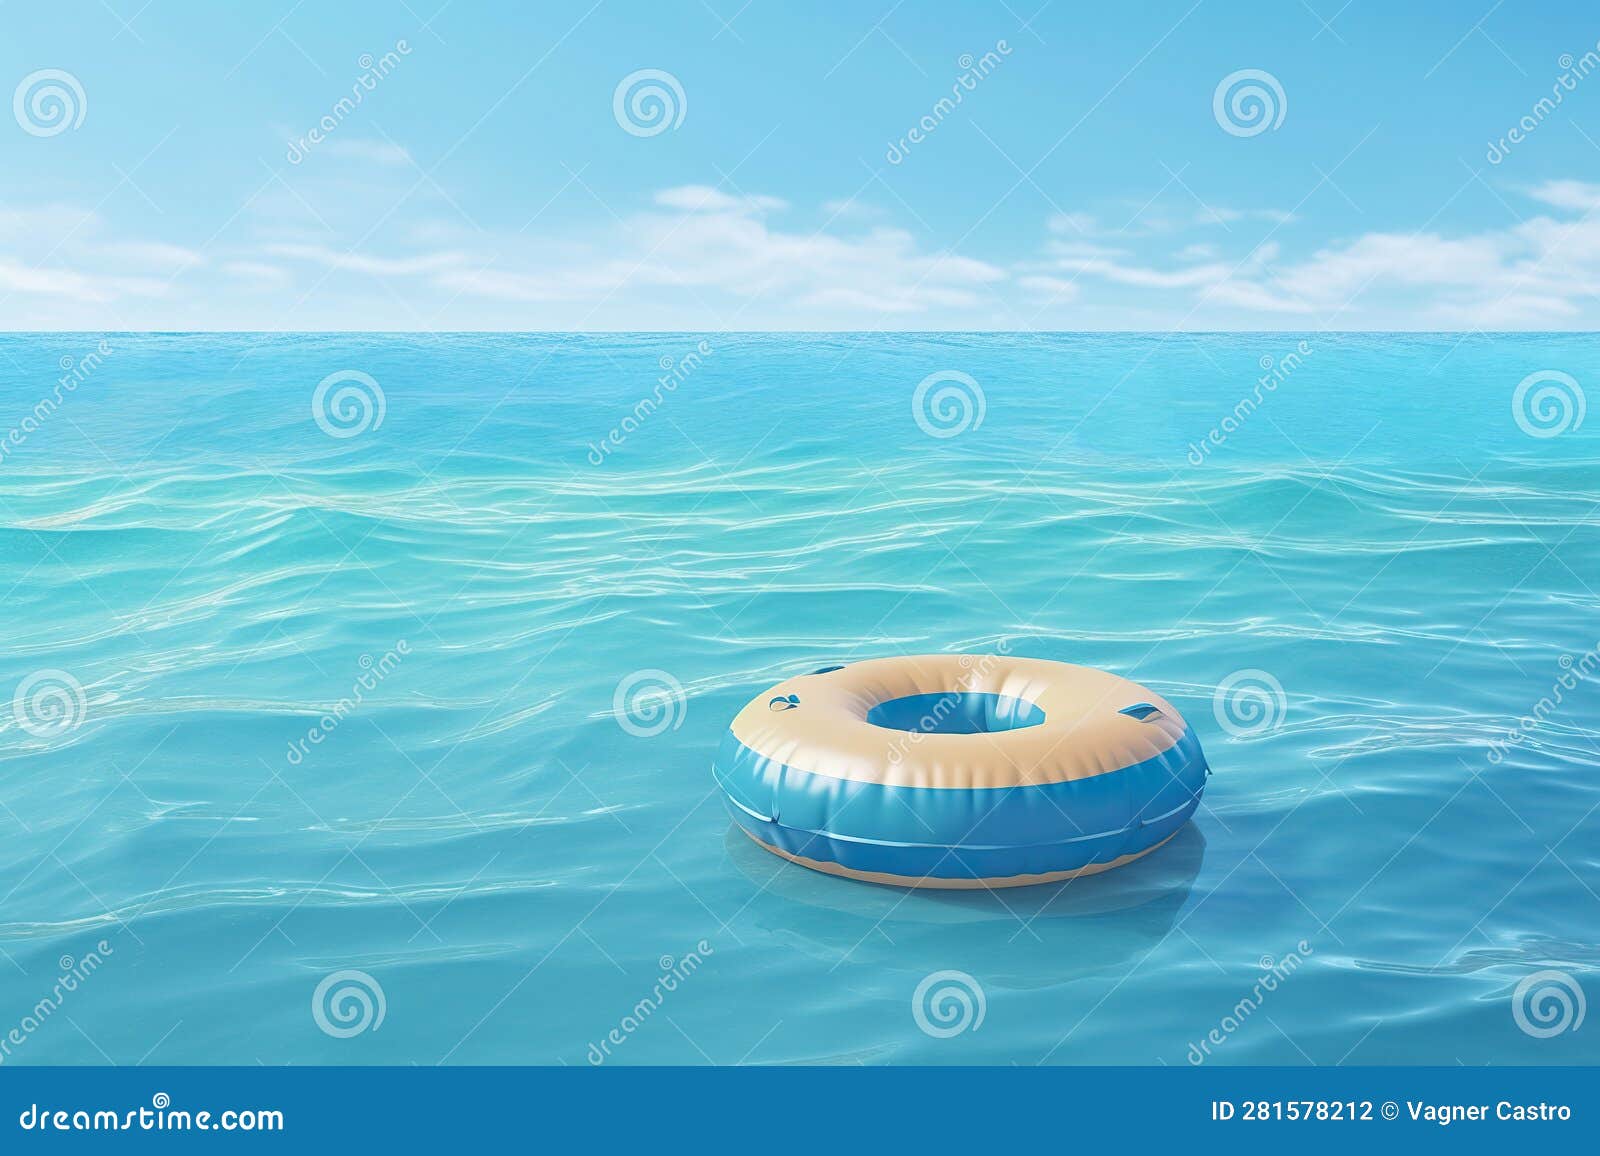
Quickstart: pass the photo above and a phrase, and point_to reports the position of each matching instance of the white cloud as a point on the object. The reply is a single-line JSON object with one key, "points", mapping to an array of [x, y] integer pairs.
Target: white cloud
{"points": [[257, 273], [354, 262], [152, 256], [378, 152], [16, 277], [46, 224], [699, 256], [705, 199], [1540, 268], [58, 253], [1543, 270], [850, 208], [715, 247], [1157, 218], [1579, 195], [1073, 224], [1115, 265], [506, 286], [1222, 215], [1052, 289]]}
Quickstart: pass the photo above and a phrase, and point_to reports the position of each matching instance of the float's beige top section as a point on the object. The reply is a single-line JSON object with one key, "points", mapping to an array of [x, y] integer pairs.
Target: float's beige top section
{"points": [[1082, 734]]}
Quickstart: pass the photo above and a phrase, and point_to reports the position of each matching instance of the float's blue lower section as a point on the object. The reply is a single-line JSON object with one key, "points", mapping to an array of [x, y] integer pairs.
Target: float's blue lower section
{"points": [[981, 833]]}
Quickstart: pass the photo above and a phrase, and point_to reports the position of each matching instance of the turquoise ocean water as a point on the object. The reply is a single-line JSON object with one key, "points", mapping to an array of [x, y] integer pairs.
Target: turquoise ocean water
{"points": [[1379, 566]]}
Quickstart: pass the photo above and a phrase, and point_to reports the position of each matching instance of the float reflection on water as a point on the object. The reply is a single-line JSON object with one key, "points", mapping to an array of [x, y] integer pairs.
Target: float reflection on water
{"points": [[1028, 937]]}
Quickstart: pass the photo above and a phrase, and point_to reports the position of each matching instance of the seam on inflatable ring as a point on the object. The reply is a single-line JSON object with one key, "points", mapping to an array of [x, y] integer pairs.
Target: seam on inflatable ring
{"points": [[1168, 814], [1140, 825], [954, 882], [748, 811]]}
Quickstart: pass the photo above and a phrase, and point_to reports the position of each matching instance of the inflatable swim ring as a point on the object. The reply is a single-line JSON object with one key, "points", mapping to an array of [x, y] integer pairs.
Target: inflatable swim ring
{"points": [[948, 770]]}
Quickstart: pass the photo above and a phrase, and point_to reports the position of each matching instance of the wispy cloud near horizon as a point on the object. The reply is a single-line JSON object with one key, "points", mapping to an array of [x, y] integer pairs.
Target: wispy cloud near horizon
{"points": [[601, 189]]}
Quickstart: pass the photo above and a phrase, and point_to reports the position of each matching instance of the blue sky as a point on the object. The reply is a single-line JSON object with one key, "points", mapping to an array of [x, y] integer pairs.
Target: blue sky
{"points": [[1089, 177]]}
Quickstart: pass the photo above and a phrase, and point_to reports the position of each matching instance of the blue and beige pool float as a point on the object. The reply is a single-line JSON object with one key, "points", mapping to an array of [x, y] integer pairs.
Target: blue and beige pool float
{"points": [[949, 770]]}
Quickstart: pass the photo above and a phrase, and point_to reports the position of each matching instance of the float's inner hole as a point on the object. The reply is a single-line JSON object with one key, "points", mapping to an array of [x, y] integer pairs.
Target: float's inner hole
{"points": [[955, 712]]}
